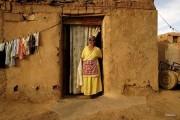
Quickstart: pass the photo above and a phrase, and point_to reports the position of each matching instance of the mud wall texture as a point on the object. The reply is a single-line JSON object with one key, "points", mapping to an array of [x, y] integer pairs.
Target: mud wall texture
{"points": [[37, 77], [129, 47], [169, 52], [169, 47], [130, 50], [3, 79], [171, 37], [1, 26]]}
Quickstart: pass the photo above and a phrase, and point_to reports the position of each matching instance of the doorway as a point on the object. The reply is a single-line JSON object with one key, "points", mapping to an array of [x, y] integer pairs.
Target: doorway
{"points": [[75, 37]]}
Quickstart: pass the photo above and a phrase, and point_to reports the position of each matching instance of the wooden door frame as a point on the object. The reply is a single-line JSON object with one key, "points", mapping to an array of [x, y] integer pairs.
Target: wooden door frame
{"points": [[89, 21]]}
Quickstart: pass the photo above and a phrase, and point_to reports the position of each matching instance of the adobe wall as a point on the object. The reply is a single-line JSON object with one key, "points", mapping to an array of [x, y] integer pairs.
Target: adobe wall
{"points": [[3, 80], [130, 50], [169, 52], [1, 26], [168, 48], [169, 37], [37, 76]]}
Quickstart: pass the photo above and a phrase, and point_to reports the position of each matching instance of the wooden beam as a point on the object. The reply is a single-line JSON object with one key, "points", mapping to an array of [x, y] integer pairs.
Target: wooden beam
{"points": [[84, 21]]}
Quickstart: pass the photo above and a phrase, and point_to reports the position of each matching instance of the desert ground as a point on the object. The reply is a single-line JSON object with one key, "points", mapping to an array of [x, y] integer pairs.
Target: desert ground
{"points": [[161, 105]]}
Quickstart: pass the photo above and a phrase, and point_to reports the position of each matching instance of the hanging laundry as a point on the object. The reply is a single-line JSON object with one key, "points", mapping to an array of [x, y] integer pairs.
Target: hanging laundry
{"points": [[13, 53], [12, 58], [14, 48], [17, 48], [20, 53], [32, 44], [79, 75], [36, 35], [2, 46], [2, 55], [8, 53], [26, 46]]}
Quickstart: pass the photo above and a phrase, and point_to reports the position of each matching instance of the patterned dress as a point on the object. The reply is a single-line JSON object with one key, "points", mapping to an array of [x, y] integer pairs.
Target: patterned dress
{"points": [[92, 83]]}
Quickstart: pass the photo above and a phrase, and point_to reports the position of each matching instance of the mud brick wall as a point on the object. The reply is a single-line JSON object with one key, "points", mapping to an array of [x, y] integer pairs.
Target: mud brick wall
{"points": [[169, 52], [169, 47], [129, 37], [130, 50], [37, 77], [3, 79], [1, 26]]}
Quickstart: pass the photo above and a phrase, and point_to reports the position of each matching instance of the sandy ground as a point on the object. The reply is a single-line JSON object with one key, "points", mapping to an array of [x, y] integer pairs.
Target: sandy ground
{"points": [[159, 106]]}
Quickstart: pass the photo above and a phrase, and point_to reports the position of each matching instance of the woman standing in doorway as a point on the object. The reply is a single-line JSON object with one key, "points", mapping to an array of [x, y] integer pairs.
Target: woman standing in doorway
{"points": [[92, 83]]}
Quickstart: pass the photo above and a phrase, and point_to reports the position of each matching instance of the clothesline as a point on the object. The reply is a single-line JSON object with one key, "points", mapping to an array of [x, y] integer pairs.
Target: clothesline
{"points": [[42, 30], [50, 27], [19, 48]]}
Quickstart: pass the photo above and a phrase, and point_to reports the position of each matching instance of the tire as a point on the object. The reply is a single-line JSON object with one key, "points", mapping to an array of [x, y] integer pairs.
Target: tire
{"points": [[168, 79]]}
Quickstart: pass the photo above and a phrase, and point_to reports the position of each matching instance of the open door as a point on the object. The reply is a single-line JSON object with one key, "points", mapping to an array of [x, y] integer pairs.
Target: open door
{"points": [[75, 37]]}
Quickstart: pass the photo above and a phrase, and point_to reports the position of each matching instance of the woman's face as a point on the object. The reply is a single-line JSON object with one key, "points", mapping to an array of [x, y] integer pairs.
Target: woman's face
{"points": [[93, 42]]}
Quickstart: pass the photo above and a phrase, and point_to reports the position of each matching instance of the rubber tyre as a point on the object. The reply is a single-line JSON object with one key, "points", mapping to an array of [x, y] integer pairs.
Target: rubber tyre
{"points": [[168, 79]]}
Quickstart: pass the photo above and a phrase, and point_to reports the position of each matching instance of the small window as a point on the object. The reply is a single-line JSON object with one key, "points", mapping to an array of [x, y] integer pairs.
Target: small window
{"points": [[175, 39]]}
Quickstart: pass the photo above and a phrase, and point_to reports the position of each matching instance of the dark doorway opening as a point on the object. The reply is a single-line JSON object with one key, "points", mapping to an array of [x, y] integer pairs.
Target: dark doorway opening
{"points": [[67, 55], [66, 59]]}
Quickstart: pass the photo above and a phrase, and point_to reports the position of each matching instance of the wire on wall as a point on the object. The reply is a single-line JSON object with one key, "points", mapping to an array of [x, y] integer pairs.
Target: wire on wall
{"points": [[50, 27]]}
